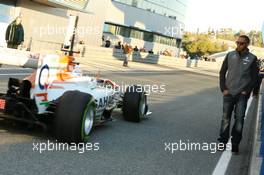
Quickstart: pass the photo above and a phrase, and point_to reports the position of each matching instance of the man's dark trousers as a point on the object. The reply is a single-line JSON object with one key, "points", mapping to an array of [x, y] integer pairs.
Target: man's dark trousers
{"points": [[238, 104], [12, 46]]}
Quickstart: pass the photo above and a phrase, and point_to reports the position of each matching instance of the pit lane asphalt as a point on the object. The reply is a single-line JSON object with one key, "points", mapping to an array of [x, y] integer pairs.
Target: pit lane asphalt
{"points": [[189, 110]]}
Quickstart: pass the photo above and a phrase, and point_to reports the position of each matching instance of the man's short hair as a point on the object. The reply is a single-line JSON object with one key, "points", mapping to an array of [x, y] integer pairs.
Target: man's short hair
{"points": [[245, 37]]}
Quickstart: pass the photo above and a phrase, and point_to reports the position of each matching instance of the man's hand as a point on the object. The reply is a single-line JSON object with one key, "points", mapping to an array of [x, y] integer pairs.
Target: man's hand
{"points": [[225, 92], [255, 95], [244, 93]]}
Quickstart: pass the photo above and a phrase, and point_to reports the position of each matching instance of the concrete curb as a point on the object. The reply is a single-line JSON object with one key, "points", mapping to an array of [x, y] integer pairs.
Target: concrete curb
{"points": [[256, 159]]}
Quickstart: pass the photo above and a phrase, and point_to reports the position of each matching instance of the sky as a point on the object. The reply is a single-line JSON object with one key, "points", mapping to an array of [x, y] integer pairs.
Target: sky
{"points": [[237, 14]]}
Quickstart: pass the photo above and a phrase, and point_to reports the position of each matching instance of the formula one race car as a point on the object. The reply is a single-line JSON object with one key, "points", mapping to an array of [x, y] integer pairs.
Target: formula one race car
{"points": [[58, 94]]}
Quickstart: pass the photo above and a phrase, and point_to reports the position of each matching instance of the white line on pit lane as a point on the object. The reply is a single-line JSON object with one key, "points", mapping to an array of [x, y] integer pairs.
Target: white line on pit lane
{"points": [[225, 158], [15, 74], [13, 68], [129, 72]]}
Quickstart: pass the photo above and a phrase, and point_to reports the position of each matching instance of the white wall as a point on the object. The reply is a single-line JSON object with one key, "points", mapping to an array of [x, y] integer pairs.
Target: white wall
{"points": [[3, 27], [143, 19], [91, 25], [45, 23]]}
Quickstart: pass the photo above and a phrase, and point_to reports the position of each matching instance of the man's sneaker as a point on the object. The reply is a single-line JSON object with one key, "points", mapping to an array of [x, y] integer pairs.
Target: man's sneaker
{"points": [[235, 149]]}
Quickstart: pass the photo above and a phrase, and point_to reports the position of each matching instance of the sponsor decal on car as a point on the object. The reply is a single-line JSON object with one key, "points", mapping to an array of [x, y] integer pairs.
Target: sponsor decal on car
{"points": [[102, 102]]}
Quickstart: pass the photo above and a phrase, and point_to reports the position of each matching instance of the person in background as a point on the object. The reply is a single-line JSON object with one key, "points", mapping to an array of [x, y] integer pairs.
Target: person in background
{"points": [[188, 60], [196, 59], [127, 52], [103, 40], [107, 43], [118, 46], [15, 34], [142, 49], [151, 51], [136, 49], [166, 52], [238, 76]]}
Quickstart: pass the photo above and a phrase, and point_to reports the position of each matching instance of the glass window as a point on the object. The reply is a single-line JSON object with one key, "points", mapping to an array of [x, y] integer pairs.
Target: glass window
{"points": [[109, 28], [136, 34], [9, 2], [123, 31], [148, 37], [106, 28], [134, 3], [142, 35], [178, 44], [174, 42]]}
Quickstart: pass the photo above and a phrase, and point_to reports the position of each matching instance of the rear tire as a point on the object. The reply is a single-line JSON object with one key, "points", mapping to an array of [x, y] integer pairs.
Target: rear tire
{"points": [[134, 103], [74, 117]]}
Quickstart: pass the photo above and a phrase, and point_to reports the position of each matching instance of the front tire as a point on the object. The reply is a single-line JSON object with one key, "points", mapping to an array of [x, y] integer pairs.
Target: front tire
{"points": [[134, 103], [74, 117]]}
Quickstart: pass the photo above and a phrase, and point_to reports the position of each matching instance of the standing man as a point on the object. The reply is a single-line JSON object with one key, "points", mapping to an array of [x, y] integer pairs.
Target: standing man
{"points": [[15, 34], [238, 77], [127, 52], [196, 59]]}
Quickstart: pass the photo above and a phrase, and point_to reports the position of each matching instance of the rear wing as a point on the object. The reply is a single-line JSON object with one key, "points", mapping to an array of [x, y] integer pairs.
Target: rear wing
{"points": [[19, 58]]}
